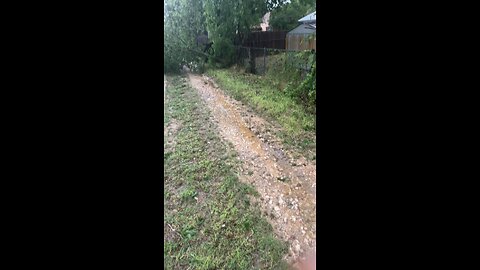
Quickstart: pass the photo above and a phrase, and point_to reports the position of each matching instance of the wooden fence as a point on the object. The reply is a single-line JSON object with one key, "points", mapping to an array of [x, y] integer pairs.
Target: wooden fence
{"points": [[279, 40], [272, 40], [301, 42]]}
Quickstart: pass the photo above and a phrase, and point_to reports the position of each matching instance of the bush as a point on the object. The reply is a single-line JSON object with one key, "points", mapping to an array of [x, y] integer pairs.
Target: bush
{"points": [[283, 69], [224, 50], [305, 91]]}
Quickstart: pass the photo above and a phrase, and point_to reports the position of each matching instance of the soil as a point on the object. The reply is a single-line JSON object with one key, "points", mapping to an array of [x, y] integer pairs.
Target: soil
{"points": [[284, 180]]}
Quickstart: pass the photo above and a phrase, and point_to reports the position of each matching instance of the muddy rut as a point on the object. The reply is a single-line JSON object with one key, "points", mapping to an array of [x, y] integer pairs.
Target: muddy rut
{"points": [[286, 184]]}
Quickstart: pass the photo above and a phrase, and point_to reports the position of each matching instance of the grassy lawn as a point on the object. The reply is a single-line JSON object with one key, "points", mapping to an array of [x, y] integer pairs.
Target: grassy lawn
{"points": [[265, 96], [209, 220]]}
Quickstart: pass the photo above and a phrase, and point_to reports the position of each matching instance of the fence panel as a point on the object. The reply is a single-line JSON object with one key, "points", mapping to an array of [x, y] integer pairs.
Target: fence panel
{"points": [[301, 42], [274, 40], [261, 60]]}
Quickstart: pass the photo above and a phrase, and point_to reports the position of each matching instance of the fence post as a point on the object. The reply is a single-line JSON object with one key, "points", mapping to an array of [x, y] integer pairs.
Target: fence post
{"points": [[286, 57], [264, 60], [251, 58]]}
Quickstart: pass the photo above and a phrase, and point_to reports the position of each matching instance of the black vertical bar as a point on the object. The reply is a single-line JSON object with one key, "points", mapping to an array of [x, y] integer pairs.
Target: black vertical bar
{"points": [[264, 60]]}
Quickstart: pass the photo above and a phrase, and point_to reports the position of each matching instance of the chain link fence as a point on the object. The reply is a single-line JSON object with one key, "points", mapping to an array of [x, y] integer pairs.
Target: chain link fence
{"points": [[262, 60]]}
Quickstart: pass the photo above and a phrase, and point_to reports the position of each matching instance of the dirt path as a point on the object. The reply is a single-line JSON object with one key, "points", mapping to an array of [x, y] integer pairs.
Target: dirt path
{"points": [[286, 185]]}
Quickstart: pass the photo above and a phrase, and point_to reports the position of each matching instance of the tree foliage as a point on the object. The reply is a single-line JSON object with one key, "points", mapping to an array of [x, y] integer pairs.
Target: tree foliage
{"points": [[225, 19], [286, 16], [184, 20]]}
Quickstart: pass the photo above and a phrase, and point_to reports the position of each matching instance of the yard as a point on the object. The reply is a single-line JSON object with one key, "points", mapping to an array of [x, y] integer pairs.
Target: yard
{"points": [[209, 221]]}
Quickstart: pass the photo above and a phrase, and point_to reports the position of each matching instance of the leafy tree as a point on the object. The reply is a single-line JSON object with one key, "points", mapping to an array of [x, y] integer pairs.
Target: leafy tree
{"points": [[225, 19], [286, 16], [185, 20]]}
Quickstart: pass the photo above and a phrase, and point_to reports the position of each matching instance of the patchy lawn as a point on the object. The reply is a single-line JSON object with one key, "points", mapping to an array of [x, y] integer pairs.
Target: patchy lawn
{"points": [[209, 220]]}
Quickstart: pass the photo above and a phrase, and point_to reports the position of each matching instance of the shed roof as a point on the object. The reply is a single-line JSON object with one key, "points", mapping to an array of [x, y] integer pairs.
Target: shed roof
{"points": [[302, 29]]}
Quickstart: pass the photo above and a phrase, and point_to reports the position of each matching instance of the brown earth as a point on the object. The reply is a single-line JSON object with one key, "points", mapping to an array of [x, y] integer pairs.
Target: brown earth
{"points": [[286, 184]]}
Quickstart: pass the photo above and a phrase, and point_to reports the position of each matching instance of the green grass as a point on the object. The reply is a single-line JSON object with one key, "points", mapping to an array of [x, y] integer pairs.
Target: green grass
{"points": [[264, 95], [216, 225]]}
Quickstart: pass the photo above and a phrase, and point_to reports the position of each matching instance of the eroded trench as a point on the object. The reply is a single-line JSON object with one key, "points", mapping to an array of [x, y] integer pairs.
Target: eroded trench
{"points": [[286, 183]]}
